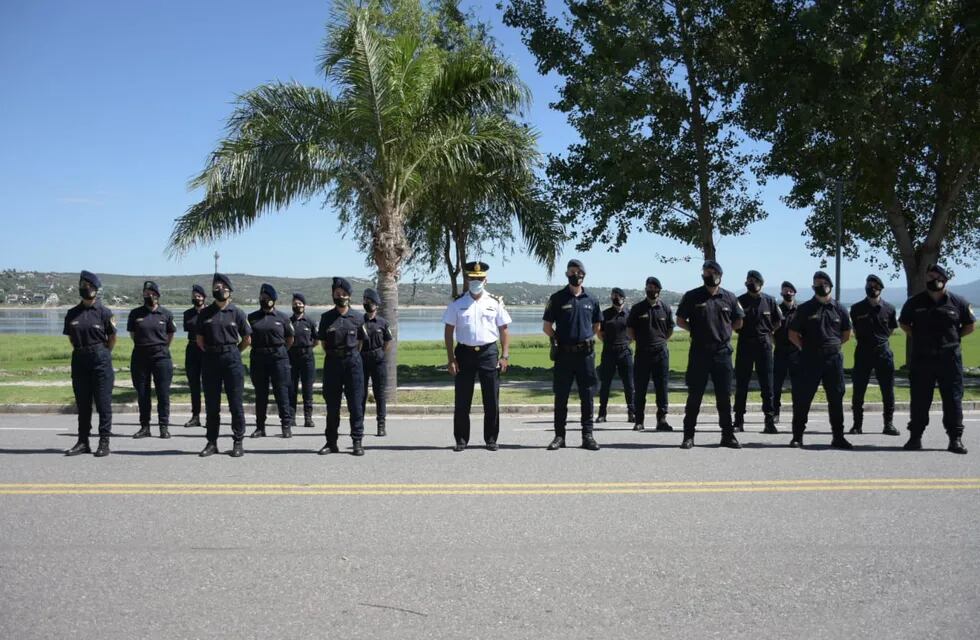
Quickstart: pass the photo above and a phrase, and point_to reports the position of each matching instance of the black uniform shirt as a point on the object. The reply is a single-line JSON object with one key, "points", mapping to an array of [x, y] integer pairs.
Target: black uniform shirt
{"points": [[709, 316], [614, 327], [573, 315], [651, 323], [190, 322], [89, 326], [221, 327], [782, 333], [873, 323], [151, 328], [377, 331], [269, 329], [762, 317], [305, 331], [821, 324], [341, 331], [935, 325]]}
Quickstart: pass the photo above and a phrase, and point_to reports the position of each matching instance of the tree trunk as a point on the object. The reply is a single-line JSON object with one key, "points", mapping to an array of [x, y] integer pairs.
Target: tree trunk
{"points": [[390, 249], [451, 269], [388, 290]]}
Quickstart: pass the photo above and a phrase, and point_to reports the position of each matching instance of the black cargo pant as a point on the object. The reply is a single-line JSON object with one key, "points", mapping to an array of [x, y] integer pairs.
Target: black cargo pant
{"points": [[302, 367], [193, 363], [877, 358], [270, 366], [92, 378], [652, 363], [223, 368], [376, 375], [703, 364], [945, 370], [574, 367], [343, 377], [816, 368], [783, 363], [753, 353], [615, 359], [152, 365]]}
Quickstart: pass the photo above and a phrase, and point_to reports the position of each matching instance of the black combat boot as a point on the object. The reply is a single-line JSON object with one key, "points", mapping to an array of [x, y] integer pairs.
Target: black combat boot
{"points": [[165, 431], [195, 421], [287, 431], [209, 449], [889, 429], [739, 425], [259, 432], [956, 445], [358, 450], [144, 432], [729, 441], [381, 428], [557, 443], [80, 447], [236, 450], [330, 447], [308, 419], [103, 449], [588, 442], [770, 427]]}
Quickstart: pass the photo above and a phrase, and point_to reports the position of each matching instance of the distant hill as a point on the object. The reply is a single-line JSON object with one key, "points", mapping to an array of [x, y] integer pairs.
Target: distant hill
{"points": [[38, 288], [893, 293]]}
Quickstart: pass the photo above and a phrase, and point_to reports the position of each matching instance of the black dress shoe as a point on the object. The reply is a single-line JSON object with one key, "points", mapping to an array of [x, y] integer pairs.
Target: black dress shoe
{"points": [[588, 442], [236, 450], [600, 418], [357, 449], [258, 433], [841, 443], [103, 449], [956, 446], [460, 445], [209, 449], [796, 443], [330, 447], [195, 421], [557, 443], [914, 444], [730, 442], [164, 432], [287, 432], [639, 427], [80, 447], [144, 432], [688, 443], [492, 446], [856, 430], [890, 429], [664, 426]]}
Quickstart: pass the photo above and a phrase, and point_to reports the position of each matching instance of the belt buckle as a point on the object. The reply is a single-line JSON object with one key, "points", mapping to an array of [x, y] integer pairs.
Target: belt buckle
{"points": [[477, 348]]}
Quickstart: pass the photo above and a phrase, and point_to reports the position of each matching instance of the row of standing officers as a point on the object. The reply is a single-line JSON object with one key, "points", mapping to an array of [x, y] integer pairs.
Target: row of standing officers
{"points": [[776, 341]]}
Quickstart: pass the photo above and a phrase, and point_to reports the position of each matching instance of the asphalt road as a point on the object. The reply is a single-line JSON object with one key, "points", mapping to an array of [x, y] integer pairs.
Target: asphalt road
{"points": [[640, 539]]}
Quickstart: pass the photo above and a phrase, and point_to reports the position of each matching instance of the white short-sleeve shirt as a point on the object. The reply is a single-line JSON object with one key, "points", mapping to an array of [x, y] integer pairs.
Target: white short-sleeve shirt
{"points": [[477, 320]]}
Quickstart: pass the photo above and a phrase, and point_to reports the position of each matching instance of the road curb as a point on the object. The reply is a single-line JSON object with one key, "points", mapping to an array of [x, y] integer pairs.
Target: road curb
{"points": [[442, 410]]}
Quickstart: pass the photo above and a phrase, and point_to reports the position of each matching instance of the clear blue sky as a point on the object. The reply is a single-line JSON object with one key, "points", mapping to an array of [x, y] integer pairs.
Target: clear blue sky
{"points": [[110, 107]]}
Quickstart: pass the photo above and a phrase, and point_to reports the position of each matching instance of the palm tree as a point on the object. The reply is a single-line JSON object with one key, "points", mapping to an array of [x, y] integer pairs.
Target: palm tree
{"points": [[400, 117]]}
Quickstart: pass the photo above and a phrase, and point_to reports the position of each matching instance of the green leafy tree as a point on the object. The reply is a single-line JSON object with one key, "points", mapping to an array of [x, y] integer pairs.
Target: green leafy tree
{"points": [[395, 122], [885, 96], [650, 88]]}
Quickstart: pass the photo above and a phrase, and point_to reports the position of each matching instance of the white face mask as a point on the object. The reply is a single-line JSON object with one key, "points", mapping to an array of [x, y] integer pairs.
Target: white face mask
{"points": [[476, 287]]}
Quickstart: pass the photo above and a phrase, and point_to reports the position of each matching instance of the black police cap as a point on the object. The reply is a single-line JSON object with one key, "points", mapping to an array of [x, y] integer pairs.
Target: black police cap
{"points": [[822, 275], [475, 269], [875, 279], [299, 296], [711, 264], [575, 264], [755, 274], [372, 295], [616, 291], [935, 268], [88, 276], [788, 285], [269, 290], [152, 286], [220, 278], [199, 289], [654, 281], [341, 283]]}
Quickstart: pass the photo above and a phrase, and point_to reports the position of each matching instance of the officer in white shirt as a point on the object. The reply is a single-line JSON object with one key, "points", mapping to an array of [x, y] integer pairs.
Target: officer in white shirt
{"points": [[478, 320]]}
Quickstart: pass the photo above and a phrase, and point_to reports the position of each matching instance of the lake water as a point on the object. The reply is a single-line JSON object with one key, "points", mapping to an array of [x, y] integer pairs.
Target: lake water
{"points": [[414, 324]]}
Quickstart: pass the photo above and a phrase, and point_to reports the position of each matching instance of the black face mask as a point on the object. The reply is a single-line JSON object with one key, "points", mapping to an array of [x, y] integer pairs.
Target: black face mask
{"points": [[341, 302], [752, 287], [872, 292], [148, 301], [821, 290], [788, 297], [370, 307], [220, 295], [935, 285], [652, 295], [711, 281], [575, 280], [298, 310], [617, 302], [197, 303], [87, 292]]}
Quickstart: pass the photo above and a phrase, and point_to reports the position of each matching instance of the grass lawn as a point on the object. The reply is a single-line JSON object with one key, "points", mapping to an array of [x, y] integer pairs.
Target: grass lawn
{"points": [[39, 359]]}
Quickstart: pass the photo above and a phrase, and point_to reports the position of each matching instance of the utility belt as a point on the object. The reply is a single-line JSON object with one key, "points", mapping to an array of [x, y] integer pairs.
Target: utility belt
{"points": [[338, 353], [586, 346], [221, 348], [475, 348], [269, 350], [300, 350]]}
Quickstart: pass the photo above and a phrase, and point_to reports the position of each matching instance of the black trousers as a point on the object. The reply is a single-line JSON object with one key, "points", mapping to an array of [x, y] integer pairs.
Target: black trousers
{"points": [[783, 362], [577, 367], [615, 360], [703, 364], [653, 364], [224, 370], [944, 370], [343, 376], [880, 360], [814, 369], [753, 354], [472, 365], [376, 375], [302, 367], [271, 369], [193, 366], [152, 366], [92, 378]]}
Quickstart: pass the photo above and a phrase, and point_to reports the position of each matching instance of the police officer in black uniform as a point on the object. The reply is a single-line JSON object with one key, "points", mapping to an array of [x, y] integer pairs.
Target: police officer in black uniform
{"points": [[193, 356], [341, 333], [819, 328], [152, 329], [223, 333], [272, 336], [302, 362], [571, 320], [754, 349], [710, 313], [787, 355], [650, 324], [873, 320], [937, 320], [616, 354], [376, 345], [91, 329]]}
